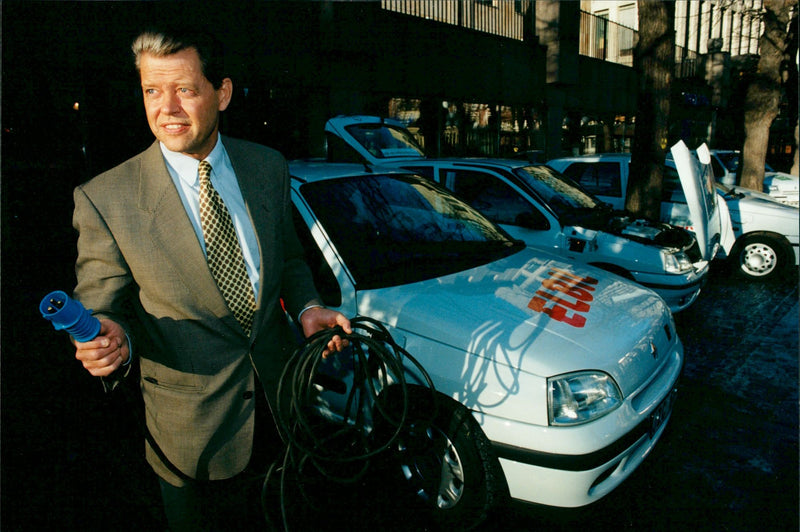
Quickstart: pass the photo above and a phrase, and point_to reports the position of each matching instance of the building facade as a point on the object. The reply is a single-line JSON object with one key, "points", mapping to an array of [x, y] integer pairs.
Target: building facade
{"points": [[523, 78]]}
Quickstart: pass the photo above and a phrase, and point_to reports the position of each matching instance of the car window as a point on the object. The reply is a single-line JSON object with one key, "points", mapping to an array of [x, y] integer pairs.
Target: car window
{"points": [[424, 171], [599, 178], [339, 151], [397, 229], [495, 199], [719, 171], [730, 160], [562, 194], [385, 140]]}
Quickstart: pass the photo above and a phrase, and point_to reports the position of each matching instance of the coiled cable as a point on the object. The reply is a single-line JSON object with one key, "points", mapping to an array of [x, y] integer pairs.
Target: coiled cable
{"points": [[338, 443]]}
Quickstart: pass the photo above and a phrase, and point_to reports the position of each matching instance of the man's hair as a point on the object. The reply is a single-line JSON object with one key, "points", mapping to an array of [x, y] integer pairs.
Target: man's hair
{"points": [[162, 42]]}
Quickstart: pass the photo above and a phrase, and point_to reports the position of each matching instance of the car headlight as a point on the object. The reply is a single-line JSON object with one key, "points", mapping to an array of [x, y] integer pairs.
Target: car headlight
{"points": [[575, 398], [676, 262]]}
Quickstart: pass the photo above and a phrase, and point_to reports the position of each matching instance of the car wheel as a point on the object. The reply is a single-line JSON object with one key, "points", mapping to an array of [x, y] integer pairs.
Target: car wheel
{"points": [[446, 462], [759, 256]]}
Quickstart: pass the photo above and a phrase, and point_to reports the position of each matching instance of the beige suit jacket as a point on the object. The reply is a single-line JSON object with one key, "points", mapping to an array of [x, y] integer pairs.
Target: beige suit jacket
{"points": [[140, 263]]}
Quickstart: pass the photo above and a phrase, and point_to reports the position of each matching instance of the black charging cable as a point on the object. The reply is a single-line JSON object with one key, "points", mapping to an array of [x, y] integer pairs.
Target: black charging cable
{"points": [[375, 411], [373, 378]]}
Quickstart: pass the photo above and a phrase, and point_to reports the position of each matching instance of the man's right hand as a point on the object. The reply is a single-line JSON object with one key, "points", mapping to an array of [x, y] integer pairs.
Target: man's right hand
{"points": [[109, 350]]}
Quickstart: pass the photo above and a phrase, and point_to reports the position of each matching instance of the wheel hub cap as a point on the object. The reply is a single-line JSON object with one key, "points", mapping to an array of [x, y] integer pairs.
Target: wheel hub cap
{"points": [[758, 259]]}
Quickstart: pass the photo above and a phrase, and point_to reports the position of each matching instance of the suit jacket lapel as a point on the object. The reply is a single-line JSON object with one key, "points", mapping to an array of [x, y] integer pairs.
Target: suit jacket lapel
{"points": [[172, 230]]}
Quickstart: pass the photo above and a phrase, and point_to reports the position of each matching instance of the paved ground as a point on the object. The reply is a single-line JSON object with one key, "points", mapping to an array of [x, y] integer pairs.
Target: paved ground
{"points": [[71, 459], [729, 458]]}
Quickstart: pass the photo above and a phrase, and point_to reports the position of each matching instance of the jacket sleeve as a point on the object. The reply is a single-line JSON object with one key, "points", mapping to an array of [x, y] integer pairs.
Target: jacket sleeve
{"points": [[298, 288], [104, 279]]}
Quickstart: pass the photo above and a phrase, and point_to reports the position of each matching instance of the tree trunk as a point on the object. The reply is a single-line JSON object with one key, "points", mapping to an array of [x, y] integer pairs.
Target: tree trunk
{"points": [[654, 61], [763, 96], [790, 81]]}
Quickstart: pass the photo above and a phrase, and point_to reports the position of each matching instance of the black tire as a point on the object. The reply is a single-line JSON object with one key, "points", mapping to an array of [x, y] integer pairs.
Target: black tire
{"points": [[444, 458], [759, 256]]}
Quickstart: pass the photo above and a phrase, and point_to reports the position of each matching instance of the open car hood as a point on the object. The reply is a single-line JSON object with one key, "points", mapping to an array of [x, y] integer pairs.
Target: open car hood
{"points": [[699, 187]]}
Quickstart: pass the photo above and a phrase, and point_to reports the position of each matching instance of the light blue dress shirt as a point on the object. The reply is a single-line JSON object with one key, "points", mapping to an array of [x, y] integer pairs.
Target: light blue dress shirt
{"points": [[183, 170]]}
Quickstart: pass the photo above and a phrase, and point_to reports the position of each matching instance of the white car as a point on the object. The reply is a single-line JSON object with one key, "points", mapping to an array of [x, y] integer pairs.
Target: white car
{"points": [[779, 185], [541, 208], [567, 373], [758, 235]]}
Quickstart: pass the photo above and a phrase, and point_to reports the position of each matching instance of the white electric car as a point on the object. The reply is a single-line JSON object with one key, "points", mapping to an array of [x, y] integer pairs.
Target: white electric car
{"points": [[779, 185], [542, 208], [759, 236], [566, 373]]}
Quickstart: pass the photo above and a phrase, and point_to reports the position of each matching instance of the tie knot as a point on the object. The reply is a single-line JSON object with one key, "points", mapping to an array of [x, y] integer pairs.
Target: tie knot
{"points": [[204, 171]]}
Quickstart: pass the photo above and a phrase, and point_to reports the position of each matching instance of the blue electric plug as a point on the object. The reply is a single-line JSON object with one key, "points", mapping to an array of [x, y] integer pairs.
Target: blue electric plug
{"points": [[67, 313]]}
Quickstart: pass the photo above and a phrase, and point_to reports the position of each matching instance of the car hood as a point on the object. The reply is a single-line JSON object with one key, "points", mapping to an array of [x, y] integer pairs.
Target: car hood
{"points": [[699, 188], [751, 202], [534, 313]]}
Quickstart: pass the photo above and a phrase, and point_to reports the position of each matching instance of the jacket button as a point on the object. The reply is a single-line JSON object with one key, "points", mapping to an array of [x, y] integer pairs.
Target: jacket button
{"points": [[247, 395]]}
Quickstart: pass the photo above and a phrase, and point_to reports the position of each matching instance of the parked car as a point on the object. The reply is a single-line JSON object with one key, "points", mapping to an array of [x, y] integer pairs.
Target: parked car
{"points": [[542, 208], [780, 185], [759, 235], [568, 373]]}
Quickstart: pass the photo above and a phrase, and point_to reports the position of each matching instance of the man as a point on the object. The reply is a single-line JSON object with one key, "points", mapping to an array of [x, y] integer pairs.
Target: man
{"points": [[145, 266]]}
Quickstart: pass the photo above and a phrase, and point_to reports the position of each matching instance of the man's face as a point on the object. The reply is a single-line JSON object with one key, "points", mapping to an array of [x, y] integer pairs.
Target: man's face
{"points": [[182, 106]]}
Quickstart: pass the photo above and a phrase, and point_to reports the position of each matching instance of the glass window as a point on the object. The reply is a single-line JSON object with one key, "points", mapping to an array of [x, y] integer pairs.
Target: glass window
{"points": [[497, 200], [424, 171], [384, 140], [719, 171], [600, 179], [397, 229]]}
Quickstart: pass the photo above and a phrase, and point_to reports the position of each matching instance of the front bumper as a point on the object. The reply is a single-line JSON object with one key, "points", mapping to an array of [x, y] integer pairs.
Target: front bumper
{"points": [[571, 481], [575, 466], [677, 291]]}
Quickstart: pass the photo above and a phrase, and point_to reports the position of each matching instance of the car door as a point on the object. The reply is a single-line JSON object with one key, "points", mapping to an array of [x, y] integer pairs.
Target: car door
{"points": [[504, 204]]}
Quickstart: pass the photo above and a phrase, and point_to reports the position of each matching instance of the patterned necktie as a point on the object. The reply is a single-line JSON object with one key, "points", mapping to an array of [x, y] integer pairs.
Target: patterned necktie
{"points": [[223, 252]]}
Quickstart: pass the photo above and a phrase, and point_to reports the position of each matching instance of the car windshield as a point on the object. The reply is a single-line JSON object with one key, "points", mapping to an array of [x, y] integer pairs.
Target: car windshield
{"points": [[731, 161], [398, 229], [568, 200], [386, 140]]}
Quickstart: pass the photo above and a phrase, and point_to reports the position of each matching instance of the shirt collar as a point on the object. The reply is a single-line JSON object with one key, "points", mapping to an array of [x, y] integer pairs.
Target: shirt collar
{"points": [[186, 167]]}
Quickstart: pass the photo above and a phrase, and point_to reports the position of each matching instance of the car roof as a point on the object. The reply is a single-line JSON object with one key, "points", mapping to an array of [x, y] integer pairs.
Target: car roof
{"points": [[310, 171], [485, 162], [587, 156], [348, 120]]}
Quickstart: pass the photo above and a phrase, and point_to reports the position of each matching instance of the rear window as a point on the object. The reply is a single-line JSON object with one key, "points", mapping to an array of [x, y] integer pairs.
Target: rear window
{"points": [[385, 140]]}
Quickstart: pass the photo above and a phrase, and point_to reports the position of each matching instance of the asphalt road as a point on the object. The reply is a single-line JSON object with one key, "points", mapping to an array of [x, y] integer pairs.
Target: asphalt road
{"points": [[728, 460], [73, 461]]}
